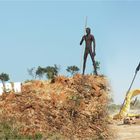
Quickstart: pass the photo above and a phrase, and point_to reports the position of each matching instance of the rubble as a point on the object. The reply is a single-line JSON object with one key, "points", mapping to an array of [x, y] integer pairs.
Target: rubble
{"points": [[129, 120], [73, 107]]}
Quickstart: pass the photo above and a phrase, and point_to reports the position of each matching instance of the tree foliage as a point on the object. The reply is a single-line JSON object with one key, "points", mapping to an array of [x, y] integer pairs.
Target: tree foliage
{"points": [[51, 71], [113, 107], [32, 72], [72, 69], [40, 72], [97, 65], [4, 77]]}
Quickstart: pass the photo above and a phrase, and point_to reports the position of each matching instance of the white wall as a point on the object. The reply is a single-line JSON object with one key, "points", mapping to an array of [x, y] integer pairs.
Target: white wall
{"points": [[1, 88], [8, 86], [17, 87]]}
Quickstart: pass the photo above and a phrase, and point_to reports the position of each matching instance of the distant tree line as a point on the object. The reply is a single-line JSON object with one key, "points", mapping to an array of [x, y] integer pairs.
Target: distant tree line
{"points": [[50, 72]]}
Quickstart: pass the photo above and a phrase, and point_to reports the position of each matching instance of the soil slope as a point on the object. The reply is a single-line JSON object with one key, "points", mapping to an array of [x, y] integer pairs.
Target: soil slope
{"points": [[73, 108]]}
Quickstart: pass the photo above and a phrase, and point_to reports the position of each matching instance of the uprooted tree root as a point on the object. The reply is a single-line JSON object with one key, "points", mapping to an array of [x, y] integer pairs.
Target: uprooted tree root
{"points": [[69, 108]]}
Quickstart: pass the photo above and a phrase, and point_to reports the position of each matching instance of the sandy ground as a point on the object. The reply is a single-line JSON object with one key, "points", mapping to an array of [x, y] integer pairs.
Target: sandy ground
{"points": [[126, 132]]}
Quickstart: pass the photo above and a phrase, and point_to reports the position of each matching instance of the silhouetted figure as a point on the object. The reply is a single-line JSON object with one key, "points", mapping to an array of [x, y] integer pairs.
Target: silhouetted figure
{"points": [[89, 40]]}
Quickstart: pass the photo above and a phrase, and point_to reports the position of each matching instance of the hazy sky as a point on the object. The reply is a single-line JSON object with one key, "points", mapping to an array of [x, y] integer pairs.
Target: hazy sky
{"points": [[45, 33]]}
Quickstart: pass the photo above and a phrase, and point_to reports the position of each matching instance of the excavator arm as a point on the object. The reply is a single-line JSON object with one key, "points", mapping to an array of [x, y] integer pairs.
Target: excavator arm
{"points": [[124, 111]]}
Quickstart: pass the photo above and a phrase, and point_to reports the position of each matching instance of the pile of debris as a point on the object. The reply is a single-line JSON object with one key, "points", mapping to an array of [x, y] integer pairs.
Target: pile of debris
{"points": [[71, 107]]}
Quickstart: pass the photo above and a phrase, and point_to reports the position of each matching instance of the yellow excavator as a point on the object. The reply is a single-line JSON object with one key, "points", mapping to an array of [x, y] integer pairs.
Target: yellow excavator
{"points": [[124, 110]]}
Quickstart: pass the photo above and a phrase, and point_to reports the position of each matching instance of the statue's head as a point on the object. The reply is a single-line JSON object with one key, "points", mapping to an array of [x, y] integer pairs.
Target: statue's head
{"points": [[88, 30]]}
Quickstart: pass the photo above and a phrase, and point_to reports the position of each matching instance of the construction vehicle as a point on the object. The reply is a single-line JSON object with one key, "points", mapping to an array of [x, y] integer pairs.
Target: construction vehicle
{"points": [[124, 110]]}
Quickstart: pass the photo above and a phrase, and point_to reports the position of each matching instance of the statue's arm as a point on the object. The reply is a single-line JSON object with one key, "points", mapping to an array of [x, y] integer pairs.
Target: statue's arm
{"points": [[82, 40], [94, 44]]}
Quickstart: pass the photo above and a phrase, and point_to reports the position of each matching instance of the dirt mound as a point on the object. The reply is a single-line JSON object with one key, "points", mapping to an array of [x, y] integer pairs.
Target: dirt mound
{"points": [[74, 107]]}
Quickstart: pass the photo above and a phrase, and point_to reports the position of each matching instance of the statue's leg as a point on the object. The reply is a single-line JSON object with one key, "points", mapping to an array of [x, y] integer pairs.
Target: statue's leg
{"points": [[84, 63], [93, 61]]}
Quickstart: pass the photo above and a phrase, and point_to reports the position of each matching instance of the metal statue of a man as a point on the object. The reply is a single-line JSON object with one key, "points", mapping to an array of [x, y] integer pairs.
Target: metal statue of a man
{"points": [[89, 40]]}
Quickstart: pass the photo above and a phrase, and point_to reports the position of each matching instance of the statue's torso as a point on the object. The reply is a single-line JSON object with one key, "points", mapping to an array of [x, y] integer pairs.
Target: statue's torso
{"points": [[88, 40]]}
